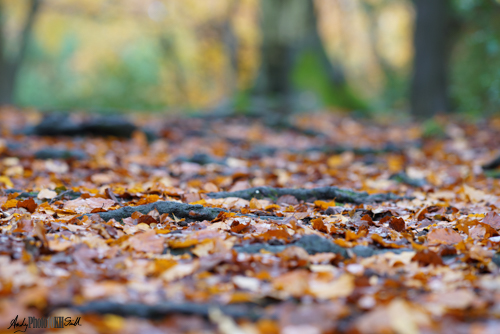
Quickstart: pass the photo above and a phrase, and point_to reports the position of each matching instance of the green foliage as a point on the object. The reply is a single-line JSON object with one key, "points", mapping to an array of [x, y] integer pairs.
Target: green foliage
{"points": [[432, 128], [242, 101], [475, 77], [309, 75], [127, 83], [492, 173]]}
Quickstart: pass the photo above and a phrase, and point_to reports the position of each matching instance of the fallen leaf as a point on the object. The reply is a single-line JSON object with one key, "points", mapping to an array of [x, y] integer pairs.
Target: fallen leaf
{"points": [[147, 242], [341, 287], [46, 194], [444, 236], [28, 204], [427, 257], [492, 219], [405, 318], [318, 224], [397, 224]]}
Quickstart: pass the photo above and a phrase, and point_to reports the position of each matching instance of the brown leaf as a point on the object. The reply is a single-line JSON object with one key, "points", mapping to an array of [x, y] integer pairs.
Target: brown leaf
{"points": [[40, 233], [427, 257], [366, 218], [24, 225], [421, 214], [287, 199], [147, 242], [445, 236], [397, 224], [492, 219], [28, 204], [111, 195], [146, 219], [294, 254], [88, 205]]}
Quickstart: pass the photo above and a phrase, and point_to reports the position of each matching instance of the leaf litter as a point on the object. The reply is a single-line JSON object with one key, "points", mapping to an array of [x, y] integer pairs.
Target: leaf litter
{"points": [[227, 225]]}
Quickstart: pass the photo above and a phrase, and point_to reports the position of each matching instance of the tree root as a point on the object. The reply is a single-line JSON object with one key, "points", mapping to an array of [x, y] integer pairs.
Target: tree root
{"points": [[495, 163], [62, 125], [312, 244], [162, 309], [322, 193], [179, 210]]}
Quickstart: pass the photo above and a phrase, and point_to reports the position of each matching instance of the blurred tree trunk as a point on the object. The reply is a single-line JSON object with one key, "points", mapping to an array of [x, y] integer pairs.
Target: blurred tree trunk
{"points": [[314, 43], [432, 42], [279, 40], [9, 66], [289, 30]]}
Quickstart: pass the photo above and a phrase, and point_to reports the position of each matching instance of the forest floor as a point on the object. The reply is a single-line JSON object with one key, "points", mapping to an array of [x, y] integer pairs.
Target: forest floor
{"points": [[325, 224]]}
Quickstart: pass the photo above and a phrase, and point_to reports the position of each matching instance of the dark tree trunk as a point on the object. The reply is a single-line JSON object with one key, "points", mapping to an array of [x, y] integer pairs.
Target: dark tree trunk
{"points": [[277, 51], [314, 43], [289, 29], [9, 67], [5, 72], [7, 83], [432, 42]]}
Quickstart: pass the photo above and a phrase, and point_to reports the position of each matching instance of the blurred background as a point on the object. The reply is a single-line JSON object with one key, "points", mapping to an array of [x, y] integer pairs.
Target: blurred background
{"points": [[370, 56]]}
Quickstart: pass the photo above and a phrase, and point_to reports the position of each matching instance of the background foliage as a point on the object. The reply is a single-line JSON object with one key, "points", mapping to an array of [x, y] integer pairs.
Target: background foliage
{"points": [[155, 55]]}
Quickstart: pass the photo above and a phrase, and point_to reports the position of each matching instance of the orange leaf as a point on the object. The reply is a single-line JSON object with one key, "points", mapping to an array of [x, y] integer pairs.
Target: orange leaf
{"points": [[237, 227], [275, 234], [178, 243], [318, 224], [378, 239], [324, 205]]}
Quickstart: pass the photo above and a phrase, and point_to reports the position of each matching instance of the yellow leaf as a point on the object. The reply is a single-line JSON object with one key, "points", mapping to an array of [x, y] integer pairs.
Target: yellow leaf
{"points": [[335, 161], [11, 203], [6, 180], [114, 323]]}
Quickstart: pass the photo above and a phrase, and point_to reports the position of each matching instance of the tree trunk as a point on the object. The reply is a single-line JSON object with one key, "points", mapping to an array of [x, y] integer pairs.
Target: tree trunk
{"points": [[432, 43], [277, 50], [7, 83], [9, 67], [5, 75], [314, 43], [290, 33]]}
